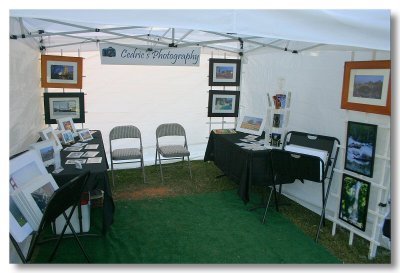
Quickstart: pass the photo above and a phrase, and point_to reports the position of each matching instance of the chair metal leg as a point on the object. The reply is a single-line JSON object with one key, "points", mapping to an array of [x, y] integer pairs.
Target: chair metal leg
{"points": [[144, 175], [266, 207], [190, 169], [112, 172], [155, 160], [159, 159]]}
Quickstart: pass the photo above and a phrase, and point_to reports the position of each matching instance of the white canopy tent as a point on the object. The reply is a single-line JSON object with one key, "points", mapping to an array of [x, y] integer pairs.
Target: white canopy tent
{"points": [[321, 40]]}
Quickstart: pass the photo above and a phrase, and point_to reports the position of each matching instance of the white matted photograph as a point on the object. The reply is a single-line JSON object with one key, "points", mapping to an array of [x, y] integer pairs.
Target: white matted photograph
{"points": [[49, 134], [85, 135], [46, 151], [67, 137], [251, 124], [66, 123]]}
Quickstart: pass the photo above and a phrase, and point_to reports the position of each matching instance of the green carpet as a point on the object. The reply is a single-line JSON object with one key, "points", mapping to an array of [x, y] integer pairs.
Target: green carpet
{"points": [[212, 228]]}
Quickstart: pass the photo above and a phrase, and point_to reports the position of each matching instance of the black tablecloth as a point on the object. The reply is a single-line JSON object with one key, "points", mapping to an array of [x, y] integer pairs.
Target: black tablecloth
{"points": [[246, 167], [98, 178]]}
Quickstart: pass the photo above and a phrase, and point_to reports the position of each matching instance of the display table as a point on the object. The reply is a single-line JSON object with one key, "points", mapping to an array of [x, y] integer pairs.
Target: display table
{"points": [[246, 167], [98, 178]]}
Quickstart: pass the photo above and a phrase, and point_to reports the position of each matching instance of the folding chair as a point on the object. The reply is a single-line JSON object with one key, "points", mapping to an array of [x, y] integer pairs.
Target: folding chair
{"points": [[288, 166], [129, 153], [174, 151], [68, 195]]}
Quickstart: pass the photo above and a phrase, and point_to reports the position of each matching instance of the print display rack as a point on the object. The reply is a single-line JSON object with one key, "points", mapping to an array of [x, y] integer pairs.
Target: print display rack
{"points": [[379, 192], [72, 68], [278, 112], [220, 78]]}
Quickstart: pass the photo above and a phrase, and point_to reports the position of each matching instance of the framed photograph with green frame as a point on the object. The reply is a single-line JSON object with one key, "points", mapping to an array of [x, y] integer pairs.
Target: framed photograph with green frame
{"points": [[61, 105], [360, 148], [223, 103], [354, 201]]}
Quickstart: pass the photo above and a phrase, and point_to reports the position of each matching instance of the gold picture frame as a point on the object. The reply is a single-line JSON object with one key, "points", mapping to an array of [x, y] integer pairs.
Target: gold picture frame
{"points": [[61, 72], [367, 87]]}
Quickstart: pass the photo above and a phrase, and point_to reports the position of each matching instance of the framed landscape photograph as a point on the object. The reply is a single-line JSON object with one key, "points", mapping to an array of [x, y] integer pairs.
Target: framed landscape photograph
{"points": [[251, 125], [223, 103], [60, 105], [360, 148], [354, 201], [367, 87], [224, 72], [61, 72]]}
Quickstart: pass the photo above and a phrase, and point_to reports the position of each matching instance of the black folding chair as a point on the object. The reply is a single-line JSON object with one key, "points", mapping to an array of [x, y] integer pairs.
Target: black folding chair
{"points": [[288, 166], [68, 195]]}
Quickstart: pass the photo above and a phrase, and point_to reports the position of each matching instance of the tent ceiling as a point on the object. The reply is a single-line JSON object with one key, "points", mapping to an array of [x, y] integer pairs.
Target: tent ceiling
{"points": [[233, 31]]}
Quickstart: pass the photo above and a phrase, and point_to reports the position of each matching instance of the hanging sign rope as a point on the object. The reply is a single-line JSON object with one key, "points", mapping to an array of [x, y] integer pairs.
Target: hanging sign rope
{"points": [[130, 55]]}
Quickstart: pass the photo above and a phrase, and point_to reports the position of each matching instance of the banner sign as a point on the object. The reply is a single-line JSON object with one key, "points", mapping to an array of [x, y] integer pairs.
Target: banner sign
{"points": [[130, 55]]}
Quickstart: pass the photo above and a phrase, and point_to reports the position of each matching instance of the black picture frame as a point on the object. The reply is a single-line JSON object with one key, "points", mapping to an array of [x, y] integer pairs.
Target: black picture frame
{"points": [[360, 148], [61, 105], [224, 72], [354, 199], [223, 103]]}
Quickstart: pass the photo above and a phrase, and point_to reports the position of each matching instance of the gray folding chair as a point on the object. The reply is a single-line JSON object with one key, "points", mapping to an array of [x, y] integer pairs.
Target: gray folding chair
{"points": [[130, 153], [171, 151]]}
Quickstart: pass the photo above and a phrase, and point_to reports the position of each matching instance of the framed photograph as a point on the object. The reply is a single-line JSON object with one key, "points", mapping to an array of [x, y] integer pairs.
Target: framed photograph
{"points": [[85, 135], [277, 120], [360, 148], [65, 124], [275, 139], [61, 105], [223, 103], [67, 137], [354, 201], [49, 134], [251, 125], [367, 87], [46, 150], [61, 72], [224, 72]]}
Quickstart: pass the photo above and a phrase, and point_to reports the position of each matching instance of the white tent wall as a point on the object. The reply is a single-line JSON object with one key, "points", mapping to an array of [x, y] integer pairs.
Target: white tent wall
{"points": [[26, 103], [315, 82]]}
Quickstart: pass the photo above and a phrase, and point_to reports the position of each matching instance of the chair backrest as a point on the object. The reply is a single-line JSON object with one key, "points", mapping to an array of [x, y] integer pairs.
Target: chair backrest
{"points": [[170, 129], [65, 196], [125, 131], [319, 142], [288, 166]]}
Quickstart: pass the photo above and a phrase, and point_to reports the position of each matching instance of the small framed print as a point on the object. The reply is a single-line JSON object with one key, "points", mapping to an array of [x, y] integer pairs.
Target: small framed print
{"points": [[223, 103], [360, 148], [61, 72], [224, 72], [354, 200], [61, 105], [85, 135], [46, 150], [251, 125], [367, 87], [65, 124], [49, 134], [67, 137]]}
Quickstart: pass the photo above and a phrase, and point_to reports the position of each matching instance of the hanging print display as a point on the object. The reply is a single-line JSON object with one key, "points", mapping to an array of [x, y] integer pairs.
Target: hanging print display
{"points": [[360, 148], [354, 201], [224, 72]]}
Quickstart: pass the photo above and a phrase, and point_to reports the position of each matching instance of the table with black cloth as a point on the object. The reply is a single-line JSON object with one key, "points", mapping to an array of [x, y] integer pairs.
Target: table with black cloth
{"points": [[98, 178], [246, 167]]}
